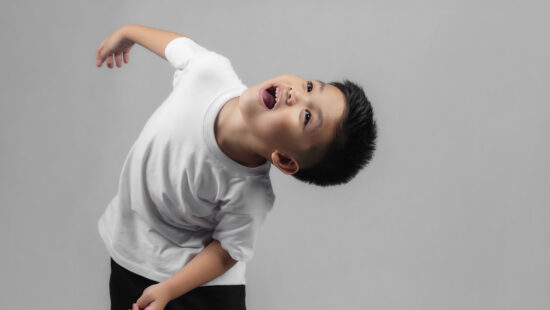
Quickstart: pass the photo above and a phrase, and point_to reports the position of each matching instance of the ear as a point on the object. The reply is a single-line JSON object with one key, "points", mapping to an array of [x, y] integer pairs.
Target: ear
{"points": [[287, 164]]}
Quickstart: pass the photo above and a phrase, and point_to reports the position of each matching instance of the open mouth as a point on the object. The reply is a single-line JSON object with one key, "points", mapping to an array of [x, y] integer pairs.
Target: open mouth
{"points": [[269, 96]]}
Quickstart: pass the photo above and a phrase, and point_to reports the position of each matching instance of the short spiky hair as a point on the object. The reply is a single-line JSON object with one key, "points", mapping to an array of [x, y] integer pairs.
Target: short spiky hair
{"points": [[353, 146]]}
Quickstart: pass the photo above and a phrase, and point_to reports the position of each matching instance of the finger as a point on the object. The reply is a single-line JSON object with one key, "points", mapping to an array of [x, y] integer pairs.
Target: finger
{"points": [[126, 56], [135, 307], [98, 58], [118, 59], [153, 306], [126, 52], [109, 61], [99, 61], [143, 302], [99, 48]]}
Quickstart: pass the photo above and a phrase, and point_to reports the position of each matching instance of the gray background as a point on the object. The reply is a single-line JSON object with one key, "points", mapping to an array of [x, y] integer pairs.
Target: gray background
{"points": [[453, 213]]}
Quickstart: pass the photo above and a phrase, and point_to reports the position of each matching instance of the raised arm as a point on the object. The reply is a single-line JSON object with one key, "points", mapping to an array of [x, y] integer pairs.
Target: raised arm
{"points": [[119, 43], [210, 263]]}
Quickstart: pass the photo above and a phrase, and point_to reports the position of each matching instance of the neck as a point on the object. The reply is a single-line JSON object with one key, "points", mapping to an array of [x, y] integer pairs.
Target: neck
{"points": [[233, 136]]}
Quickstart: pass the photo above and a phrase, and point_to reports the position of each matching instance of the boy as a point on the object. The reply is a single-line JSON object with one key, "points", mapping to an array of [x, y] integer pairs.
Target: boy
{"points": [[195, 187]]}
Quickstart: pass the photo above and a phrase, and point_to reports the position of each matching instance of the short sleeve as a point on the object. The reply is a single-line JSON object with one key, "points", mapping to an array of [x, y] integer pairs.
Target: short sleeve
{"points": [[237, 234], [180, 51], [242, 214]]}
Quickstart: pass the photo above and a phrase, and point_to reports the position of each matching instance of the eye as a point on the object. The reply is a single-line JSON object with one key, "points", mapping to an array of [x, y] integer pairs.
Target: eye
{"points": [[307, 117], [309, 87]]}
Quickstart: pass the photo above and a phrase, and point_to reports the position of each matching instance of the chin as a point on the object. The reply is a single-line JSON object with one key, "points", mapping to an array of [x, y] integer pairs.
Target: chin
{"points": [[247, 107], [247, 96]]}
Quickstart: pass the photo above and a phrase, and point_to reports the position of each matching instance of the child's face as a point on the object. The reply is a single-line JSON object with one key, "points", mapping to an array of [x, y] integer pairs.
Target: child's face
{"points": [[300, 125]]}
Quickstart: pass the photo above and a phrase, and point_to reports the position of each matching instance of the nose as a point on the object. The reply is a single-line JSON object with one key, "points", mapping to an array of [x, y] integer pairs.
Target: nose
{"points": [[294, 96]]}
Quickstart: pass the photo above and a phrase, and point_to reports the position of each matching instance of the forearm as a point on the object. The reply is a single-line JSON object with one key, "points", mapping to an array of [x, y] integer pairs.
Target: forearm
{"points": [[210, 263], [154, 40]]}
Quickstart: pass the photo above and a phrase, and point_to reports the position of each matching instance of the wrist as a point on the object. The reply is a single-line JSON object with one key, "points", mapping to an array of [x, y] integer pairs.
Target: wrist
{"points": [[170, 288], [126, 30]]}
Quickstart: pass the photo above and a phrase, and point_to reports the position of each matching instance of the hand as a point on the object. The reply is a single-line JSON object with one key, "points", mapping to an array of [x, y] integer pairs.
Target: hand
{"points": [[155, 297], [117, 45]]}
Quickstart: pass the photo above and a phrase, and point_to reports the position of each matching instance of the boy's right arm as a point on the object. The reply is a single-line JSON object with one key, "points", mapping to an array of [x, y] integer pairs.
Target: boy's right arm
{"points": [[210, 263], [119, 43]]}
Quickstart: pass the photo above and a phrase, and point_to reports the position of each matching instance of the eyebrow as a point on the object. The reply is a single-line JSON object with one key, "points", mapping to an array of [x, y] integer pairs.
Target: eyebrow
{"points": [[320, 113], [322, 85], [320, 122]]}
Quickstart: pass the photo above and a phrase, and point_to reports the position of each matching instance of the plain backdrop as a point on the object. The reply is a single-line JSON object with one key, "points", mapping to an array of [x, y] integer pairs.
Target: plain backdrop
{"points": [[452, 213]]}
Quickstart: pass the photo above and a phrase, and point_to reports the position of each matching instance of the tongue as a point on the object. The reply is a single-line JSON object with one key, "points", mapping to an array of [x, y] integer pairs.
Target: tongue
{"points": [[269, 100]]}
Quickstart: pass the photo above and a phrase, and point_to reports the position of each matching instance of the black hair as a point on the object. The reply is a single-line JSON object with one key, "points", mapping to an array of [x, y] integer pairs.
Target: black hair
{"points": [[353, 146]]}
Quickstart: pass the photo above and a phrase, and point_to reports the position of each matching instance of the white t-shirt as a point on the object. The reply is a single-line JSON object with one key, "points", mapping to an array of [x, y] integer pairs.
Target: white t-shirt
{"points": [[177, 189]]}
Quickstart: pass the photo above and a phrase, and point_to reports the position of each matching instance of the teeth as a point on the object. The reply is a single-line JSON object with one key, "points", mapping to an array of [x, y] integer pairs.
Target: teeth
{"points": [[276, 94]]}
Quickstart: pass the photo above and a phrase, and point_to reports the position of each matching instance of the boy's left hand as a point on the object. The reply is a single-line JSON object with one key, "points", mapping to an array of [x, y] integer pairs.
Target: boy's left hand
{"points": [[155, 297]]}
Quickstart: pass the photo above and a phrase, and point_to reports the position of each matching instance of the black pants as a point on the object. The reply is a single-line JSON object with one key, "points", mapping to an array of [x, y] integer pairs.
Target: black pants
{"points": [[126, 287]]}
